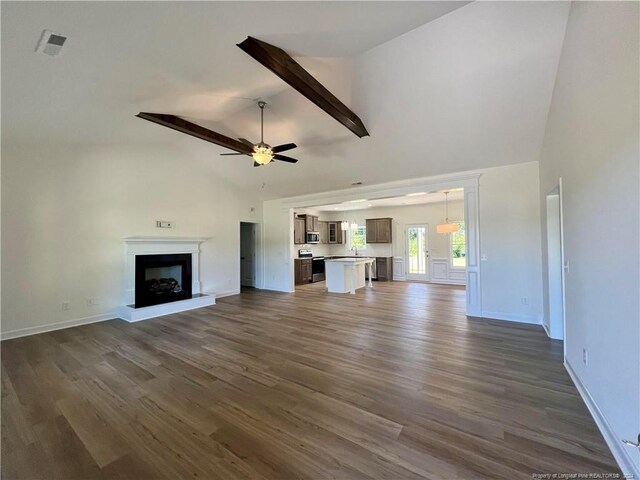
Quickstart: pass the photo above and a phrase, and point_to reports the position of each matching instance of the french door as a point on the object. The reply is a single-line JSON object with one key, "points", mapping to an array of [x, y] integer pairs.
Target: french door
{"points": [[417, 248]]}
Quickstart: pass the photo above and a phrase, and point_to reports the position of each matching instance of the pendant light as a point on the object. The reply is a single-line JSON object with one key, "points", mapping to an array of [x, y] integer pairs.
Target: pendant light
{"points": [[447, 227], [344, 225]]}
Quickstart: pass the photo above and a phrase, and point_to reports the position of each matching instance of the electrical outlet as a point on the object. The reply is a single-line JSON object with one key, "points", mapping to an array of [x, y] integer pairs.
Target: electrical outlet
{"points": [[92, 302], [525, 300], [484, 258], [585, 358], [165, 224], [65, 306]]}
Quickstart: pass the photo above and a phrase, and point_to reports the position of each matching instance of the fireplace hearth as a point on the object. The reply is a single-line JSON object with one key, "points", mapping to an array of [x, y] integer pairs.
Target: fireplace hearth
{"points": [[162, 278]]}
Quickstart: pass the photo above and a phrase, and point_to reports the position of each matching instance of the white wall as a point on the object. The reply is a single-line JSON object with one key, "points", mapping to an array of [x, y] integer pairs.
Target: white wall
{"points": [[65, 211], [510, 243], [592, 142], [509, 236]]}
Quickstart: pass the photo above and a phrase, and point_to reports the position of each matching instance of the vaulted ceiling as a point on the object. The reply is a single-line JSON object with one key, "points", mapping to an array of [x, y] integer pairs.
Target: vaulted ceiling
{"points": [[441, 86]]}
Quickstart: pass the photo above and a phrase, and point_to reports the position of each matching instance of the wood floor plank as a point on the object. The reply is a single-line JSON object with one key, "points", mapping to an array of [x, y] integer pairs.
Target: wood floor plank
{"points": [[394, 382]]}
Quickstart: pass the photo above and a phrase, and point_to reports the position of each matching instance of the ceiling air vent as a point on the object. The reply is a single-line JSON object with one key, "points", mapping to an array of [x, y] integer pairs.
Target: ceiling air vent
{"points": [[50, 43]]}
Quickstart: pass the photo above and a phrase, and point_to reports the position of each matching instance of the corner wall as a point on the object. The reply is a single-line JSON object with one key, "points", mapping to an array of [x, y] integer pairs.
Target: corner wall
{"points": [[592, 142], [66, 209]]}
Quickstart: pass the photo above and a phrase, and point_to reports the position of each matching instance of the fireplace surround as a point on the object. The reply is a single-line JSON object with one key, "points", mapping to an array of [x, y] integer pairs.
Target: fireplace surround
{"points": [[162, 276]]}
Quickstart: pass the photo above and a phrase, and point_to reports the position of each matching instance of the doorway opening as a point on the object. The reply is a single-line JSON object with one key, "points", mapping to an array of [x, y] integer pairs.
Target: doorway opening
{"points": [[554, 320], [248, 264]]}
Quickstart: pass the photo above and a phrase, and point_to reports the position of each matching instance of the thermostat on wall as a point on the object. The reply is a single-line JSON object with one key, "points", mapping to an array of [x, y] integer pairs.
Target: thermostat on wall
{"points": [[165, 224]]}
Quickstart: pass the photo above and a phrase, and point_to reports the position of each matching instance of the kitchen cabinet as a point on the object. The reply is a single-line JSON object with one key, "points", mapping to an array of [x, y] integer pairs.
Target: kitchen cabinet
{"points": [[324, 232], [379, 230], [299, 231], [303, 269], [334, 232], [312, 223], [384, 269]]}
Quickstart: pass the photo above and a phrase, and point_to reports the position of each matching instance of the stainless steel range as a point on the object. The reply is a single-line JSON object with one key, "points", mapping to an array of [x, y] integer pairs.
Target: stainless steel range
{"points": [[317, 264]]}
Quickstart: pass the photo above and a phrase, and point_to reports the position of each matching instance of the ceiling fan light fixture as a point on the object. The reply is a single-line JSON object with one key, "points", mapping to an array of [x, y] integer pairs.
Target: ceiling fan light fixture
{"points": [[262, 154]]}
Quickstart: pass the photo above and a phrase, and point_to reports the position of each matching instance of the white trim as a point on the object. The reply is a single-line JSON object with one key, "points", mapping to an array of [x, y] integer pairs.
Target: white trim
{"points": [[388, 189], [513, 317], [130, 314], [50, 327], [448, 282], [229, 293], [564, 272], [620, 454], [473, 270], [546, 330], [165, 239]]}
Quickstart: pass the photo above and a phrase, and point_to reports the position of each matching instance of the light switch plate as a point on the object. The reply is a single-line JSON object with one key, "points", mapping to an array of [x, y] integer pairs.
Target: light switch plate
{"points": [[165, 224]]}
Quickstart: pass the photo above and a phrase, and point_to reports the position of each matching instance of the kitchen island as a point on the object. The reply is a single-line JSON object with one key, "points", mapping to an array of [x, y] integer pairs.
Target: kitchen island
{"points": [[347, 274]]}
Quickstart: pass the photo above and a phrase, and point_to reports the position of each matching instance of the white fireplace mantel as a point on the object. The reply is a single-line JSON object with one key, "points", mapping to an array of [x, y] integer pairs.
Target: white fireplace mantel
{"points": [[160, 246]]}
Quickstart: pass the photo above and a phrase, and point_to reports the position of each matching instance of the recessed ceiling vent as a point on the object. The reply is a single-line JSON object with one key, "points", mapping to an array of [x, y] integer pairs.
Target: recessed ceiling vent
{"points": [[50, 43]]}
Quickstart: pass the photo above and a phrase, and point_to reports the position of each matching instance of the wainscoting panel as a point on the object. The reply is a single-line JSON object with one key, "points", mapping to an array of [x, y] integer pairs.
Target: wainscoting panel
{"points": [[398, 269], [441, 272]]}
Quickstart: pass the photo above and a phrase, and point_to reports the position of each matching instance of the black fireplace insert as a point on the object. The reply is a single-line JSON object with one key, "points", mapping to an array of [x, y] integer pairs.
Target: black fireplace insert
{"points": [[162, 279]]}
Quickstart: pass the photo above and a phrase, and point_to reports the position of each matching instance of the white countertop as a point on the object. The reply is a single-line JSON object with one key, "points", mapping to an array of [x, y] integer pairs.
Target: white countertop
{"points": [[352, 260]]}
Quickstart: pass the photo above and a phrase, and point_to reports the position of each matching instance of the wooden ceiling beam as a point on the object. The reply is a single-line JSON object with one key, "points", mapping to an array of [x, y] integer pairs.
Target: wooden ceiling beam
{"points": [[285, 67], [185, 126]]}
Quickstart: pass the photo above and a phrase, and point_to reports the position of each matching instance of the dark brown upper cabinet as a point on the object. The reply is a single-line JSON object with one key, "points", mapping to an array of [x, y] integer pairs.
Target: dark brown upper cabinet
{"points": [[379, 230], [299, 231]]}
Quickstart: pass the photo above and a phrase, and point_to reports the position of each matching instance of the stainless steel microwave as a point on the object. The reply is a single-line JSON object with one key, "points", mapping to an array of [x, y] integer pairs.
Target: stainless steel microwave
{"points": [[313, 237]]}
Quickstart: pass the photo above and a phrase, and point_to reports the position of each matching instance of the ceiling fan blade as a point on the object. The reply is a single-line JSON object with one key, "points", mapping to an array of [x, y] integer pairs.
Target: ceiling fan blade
{"points": [[246, 142], [284, 158], [256, 164], [284, 147], [225, 154], [184, 126]]}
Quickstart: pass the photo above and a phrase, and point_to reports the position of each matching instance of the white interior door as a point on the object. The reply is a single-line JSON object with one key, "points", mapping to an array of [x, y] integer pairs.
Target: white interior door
{"points": [[248, 254], [417, 251]]}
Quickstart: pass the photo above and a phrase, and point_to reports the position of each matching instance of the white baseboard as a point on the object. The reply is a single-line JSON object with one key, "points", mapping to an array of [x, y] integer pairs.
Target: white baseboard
{"points": [[448, 282], [50, 327], [513, 317], [618, 450], [228, 293]]}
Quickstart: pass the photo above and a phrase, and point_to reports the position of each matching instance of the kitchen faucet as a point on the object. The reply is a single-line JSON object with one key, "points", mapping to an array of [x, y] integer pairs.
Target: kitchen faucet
{"points": [[356, 249]]}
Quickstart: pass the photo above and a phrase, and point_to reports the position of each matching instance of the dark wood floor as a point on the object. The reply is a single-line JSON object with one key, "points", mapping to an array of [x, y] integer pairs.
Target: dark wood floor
{"points": [[392, 383]]}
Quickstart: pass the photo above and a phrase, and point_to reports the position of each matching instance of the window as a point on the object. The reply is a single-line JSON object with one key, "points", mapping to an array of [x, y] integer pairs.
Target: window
{"points": [[358, 238], [459, 247]]}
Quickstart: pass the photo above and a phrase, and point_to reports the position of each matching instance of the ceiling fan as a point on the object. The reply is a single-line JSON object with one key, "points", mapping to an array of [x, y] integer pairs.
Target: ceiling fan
{"points": [[262, 153]]}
